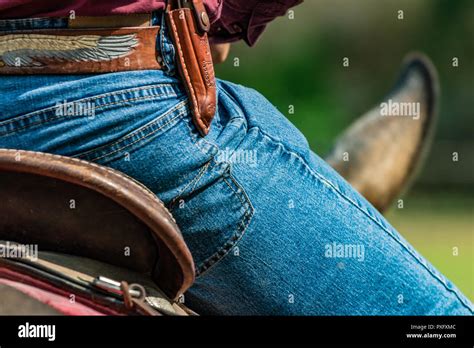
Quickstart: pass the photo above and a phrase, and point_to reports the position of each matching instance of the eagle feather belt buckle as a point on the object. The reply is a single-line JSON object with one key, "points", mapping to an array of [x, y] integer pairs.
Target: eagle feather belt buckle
{"points": [[79, 50], [27, 50]]}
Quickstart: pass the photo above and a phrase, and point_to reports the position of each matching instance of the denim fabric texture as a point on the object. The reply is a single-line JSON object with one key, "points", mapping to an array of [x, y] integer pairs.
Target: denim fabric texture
{"points": [[272, 228]]}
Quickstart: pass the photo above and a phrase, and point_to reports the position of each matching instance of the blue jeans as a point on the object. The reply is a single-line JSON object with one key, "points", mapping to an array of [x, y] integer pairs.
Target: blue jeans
{"points": [[272, 228]]}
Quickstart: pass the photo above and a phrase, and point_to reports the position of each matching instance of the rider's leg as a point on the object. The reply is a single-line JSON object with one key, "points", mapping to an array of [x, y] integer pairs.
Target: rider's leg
{"points": [[299, 239]]}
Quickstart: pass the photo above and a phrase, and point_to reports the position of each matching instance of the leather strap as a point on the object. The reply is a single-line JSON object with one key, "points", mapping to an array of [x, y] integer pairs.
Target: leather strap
{"points": [[78, 51], [137, 303], [102, 45], [189, 23]]}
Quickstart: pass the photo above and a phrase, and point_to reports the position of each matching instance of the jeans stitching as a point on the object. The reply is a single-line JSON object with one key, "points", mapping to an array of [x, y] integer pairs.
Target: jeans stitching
{"points": [[235, 105], [163, 39], [145, 136], [180, 53], [193, 181], [95, 98], [244, 221], [206, 167], [242, 226], [195, 139], [130, 100], [135, 132], [138, 140], [328, 183], [52, 119]]}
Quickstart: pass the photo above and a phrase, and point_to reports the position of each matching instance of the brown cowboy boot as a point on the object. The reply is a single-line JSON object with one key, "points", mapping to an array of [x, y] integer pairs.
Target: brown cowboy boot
{"points": [[379, 154]]}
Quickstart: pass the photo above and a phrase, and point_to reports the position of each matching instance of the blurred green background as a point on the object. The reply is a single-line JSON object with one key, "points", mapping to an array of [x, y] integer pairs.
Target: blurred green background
{"points": [[298, 62]]}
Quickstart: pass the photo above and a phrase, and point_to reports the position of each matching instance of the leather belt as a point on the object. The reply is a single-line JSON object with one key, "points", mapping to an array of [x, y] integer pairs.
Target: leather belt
{"points": [[92, 45]]}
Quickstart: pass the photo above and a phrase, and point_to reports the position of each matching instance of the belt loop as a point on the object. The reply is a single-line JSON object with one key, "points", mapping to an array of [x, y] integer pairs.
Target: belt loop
{"points": [[165, 44]]}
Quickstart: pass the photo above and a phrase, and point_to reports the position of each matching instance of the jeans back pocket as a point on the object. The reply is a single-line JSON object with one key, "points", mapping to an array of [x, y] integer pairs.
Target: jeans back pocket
{"points": [[214, 214], [73, 115]]}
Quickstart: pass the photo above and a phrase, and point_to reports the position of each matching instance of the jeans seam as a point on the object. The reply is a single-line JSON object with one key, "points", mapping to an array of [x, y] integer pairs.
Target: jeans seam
{"points": [[52, 119], [139, 139], [145, 136], [130, 100], [243, 223], [97, 97], [328, 183], [165, 55], [193, 182], [242, 227], [195, 139]]}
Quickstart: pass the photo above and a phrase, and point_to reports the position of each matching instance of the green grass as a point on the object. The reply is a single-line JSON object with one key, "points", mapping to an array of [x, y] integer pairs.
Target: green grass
{"points": [[435, 223]]}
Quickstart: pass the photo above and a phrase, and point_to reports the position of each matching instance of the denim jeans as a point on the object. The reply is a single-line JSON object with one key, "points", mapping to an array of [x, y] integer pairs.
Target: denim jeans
{"points": [[272, 228]]}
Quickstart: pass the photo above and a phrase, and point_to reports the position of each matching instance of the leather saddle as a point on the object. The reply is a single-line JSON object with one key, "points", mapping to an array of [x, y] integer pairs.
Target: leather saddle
{"points": [[74, 228]]}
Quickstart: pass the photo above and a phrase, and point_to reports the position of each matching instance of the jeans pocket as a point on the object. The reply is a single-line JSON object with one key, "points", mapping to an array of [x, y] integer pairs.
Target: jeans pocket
{"points": [[213, 215], [68, 123], [124, 143]]}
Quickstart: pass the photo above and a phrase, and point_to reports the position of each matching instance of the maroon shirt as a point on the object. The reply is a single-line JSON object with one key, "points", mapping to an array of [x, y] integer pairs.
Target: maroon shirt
{"points": [[233, 19]]}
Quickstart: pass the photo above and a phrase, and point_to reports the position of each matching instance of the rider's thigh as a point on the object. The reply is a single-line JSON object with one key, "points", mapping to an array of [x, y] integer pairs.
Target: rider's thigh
{"points": [[310, 244]]}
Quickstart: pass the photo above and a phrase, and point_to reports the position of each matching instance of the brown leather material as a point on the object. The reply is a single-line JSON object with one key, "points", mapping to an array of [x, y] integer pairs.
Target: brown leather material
{"points": [[113, 219], [202, 19], [78, 51], [98, 45], [194, 61], [127, 297]]}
